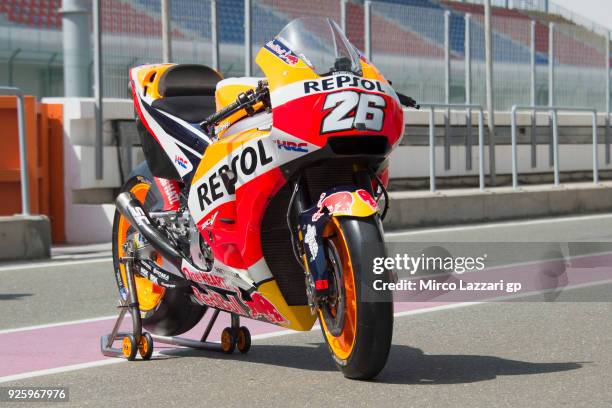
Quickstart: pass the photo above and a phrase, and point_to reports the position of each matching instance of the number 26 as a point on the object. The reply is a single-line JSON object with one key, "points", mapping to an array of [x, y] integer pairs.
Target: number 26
{"points": [[369, 111]]}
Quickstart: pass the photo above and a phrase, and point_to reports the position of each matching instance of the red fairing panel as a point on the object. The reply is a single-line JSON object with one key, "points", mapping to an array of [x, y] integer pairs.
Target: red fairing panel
{"points": [[239, 244], [306, 111], [170, 191], [303, 118]]}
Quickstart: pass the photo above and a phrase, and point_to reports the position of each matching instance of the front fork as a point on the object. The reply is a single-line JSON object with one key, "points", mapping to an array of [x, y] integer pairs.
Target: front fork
{"points": [[298, 205], [315, 264], [312, 220]]}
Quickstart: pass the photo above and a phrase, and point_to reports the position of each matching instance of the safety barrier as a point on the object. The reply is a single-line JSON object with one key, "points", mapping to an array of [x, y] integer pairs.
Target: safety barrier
{"points": [[25, 186], [555, 141], [432, 154]]}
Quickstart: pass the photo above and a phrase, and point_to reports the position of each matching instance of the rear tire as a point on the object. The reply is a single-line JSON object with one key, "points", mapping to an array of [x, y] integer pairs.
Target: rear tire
{"points": [[174, 313], [363, 354]]}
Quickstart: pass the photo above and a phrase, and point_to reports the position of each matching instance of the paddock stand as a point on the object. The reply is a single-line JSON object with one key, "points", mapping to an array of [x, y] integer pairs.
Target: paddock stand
{"points": [[135, 342]]}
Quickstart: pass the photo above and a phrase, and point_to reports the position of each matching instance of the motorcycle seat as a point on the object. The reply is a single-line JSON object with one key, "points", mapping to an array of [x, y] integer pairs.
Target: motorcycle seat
{"points": [[188, 80], [189, 108], [188, 92]]}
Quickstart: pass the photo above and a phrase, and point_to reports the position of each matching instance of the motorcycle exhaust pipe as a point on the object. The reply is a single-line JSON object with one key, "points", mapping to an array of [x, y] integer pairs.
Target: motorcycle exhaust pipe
{"points": [[139, 218]]}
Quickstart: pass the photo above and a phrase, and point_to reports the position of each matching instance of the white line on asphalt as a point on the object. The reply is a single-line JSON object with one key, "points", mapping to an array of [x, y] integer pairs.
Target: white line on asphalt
{"points": [[33, 265], [18, 266], [58, 370], [30, 265], [282, 333], [68, 323], [435, 309], [109, 361], [497, 224], [396, 314]]}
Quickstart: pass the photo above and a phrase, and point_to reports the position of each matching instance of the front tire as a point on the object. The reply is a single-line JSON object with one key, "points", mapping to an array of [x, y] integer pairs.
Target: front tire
{"points": [[357, 329]]}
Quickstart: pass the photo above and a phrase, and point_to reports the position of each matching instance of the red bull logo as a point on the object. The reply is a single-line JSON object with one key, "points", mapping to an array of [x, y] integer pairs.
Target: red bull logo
{"points": [[336, 203], [367, 198], [260, 308]]}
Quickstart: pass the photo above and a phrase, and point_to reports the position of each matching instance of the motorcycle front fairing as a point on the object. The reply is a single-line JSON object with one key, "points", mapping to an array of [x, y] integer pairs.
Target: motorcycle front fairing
{"points": [[350, 114]]}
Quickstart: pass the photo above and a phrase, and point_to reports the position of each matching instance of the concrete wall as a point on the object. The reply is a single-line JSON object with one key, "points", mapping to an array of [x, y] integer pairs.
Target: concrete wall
{"points": [[424, 209], [25, 237]]}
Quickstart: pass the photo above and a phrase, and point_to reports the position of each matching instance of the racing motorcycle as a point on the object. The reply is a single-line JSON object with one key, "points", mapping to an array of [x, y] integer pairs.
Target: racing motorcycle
{"points": [[263, 197]]}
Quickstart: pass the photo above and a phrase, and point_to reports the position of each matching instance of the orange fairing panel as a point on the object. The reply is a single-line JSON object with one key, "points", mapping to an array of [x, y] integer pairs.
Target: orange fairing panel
{"points": [[147, 79], [229, 89], [284, 72], [226, 94]]}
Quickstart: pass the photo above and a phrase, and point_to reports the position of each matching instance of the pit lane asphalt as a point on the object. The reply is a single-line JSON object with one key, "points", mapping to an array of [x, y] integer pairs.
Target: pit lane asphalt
{"points": [[509, 354]]}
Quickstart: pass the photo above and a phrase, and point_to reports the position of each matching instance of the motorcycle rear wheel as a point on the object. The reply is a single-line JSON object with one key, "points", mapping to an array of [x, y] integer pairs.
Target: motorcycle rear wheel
{"points": [[165, 312], [357, 328]]}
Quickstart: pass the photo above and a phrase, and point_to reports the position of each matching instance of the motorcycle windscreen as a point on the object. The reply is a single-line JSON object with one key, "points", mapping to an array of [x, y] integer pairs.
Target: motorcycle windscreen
{"points": [[321, 86]]}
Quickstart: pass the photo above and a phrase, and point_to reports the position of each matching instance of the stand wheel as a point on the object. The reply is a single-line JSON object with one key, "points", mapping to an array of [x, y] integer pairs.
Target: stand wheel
{"points": [[228, 340], [145, 348], [243, 340], [129, 347]]}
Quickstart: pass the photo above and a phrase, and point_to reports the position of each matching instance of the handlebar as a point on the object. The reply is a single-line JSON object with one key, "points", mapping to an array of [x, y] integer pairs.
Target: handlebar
{"points": [[408, 101], [245, 100], [221, 114]]}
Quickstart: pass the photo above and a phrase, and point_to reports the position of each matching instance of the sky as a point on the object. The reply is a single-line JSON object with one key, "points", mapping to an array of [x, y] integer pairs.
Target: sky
{"points": [[599, 11]]}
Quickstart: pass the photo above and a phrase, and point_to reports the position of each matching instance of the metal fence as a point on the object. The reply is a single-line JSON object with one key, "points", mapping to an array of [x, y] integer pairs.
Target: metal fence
{"points": [[579, 58], [415, 58], [421, 45], [31, 58], [540, 5], [424, 50], [553, 110], [131, 35]]}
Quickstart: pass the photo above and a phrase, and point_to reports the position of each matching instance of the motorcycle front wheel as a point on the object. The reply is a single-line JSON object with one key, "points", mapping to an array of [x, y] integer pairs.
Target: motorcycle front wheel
{"points": [[357, 322]]}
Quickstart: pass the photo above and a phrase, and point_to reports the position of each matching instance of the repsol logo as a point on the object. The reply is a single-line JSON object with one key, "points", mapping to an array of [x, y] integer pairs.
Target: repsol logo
{"points": [[223, 181], [341, 81]]}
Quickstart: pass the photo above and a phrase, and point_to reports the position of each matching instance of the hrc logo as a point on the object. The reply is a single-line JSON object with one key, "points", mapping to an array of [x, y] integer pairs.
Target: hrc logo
{"points": [[291, 146], [181, 161]]}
